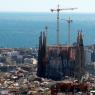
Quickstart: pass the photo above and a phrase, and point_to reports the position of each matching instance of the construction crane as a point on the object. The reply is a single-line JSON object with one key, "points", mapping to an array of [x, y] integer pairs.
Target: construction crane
{"points": [[69, 21], [58, 10]]}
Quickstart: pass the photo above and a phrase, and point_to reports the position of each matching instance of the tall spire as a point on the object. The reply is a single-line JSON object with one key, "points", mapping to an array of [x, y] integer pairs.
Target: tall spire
{"points": [[39, 70], [80, 57], [80, 38], [41, 55], [46, 30], [44, 44]]}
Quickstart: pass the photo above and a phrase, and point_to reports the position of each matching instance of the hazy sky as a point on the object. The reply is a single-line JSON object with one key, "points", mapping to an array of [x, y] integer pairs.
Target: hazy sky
{"points": [[45, 5]]}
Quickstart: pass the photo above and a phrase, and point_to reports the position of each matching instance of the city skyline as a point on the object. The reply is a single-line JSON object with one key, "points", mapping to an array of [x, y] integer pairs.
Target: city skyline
{"points": [[45, 5]]}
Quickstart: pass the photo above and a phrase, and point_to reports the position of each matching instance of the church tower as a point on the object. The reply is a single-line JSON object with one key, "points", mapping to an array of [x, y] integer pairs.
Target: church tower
{"points": [[41, 55], [80, 57]]}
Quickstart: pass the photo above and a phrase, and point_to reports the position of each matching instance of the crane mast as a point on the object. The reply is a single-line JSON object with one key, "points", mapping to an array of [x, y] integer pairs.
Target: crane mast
{"points": [[69, 21]]}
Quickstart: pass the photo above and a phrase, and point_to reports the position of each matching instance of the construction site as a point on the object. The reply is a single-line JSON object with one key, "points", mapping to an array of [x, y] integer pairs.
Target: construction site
{"points": [[63, 62], [57, 61]]}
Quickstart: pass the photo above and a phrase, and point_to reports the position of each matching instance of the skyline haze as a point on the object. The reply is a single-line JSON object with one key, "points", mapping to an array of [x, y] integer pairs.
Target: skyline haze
{"points": [[83, 6]]}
